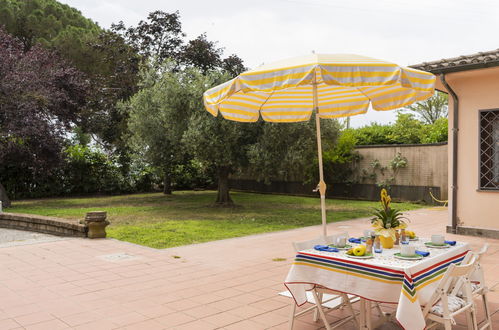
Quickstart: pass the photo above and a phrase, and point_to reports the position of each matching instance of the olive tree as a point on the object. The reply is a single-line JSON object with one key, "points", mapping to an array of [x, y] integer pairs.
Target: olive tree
{"points": [[159, 115], [222, 144]]}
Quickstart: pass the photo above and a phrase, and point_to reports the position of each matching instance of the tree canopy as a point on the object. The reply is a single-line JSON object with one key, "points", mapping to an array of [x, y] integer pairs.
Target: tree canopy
{"points": [[407, 129], [432, 109], [159, 115], [41, 97], [46, 22]]}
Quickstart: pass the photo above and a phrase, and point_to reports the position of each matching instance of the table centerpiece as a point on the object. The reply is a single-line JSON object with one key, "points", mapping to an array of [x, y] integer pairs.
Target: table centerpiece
{"points": [[387, 221]]}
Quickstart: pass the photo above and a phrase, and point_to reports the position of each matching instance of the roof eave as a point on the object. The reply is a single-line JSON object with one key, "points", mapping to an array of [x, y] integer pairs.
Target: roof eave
{"points": [[455, 68]]}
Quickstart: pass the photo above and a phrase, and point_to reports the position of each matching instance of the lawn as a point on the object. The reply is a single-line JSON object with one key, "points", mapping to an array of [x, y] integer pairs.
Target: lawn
{"points": [[187, 217]]}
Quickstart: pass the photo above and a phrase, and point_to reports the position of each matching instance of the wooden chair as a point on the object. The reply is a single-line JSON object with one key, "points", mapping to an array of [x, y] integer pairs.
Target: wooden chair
{"points": [[478, 287], [323, 300], [445, 304]]}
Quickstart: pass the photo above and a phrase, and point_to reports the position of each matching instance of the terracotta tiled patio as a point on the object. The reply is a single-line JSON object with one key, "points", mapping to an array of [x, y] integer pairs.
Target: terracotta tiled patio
{"points": [[229, 284]]}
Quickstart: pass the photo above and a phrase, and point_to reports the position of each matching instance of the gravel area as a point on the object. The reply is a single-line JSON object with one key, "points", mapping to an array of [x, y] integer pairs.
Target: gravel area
{"points": [[13, 237]]}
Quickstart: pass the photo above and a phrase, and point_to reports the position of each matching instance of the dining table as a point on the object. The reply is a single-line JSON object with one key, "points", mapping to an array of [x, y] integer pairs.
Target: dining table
{"points": [[385, 277]]}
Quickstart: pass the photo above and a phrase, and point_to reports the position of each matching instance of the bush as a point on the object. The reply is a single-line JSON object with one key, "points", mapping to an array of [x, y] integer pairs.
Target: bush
{"points": [[88, 170], [406, 130], [338, 161]]}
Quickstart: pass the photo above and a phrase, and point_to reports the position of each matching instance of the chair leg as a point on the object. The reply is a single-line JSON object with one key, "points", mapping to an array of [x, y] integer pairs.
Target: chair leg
{"points": [[318, 303], [380, 311], [469, 318], [316, 312], [350, 309], [487, 311], [447, 325], [292, 316], [473, 318]]}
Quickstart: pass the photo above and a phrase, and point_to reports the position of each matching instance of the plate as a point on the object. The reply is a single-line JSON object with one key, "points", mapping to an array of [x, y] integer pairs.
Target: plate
{"points": [[367, 256], [431, 245], [346, 247], [414, 257]]}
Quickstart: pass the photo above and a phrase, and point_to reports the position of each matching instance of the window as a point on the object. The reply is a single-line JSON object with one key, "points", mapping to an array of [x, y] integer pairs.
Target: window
{"points": [[489, 149]]}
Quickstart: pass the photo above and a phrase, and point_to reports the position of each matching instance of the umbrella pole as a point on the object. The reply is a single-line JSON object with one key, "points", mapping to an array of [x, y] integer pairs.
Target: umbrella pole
{"points": [[322, 185]]}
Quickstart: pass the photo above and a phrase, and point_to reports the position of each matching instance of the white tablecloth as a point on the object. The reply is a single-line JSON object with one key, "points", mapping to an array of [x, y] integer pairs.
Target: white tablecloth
{"points": [[382, 278]]}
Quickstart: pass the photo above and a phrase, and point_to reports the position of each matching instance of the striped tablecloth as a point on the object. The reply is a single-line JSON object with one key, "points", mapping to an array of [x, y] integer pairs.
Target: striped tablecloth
{"points": [[383, 278]]}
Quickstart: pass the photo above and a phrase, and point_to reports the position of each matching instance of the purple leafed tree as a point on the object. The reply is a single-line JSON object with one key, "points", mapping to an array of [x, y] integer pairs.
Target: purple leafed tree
{"points": [[40, 99]]}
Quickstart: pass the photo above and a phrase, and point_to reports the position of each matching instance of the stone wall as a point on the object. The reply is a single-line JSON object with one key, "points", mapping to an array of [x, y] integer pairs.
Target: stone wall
{"points": [[42, 224]]}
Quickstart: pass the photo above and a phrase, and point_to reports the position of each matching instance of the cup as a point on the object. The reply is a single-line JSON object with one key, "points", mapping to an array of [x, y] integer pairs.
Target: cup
{"points": [[407, 250], [341, 241], [437, 239], [367, 233]]}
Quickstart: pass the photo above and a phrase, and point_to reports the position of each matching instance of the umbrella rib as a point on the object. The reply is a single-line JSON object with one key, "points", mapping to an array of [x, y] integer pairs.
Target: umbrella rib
{"points": [[265, 102], [367, 97]]}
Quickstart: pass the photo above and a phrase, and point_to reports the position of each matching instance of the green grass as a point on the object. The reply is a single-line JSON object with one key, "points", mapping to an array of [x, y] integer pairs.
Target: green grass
{"points": [[187, 217]]}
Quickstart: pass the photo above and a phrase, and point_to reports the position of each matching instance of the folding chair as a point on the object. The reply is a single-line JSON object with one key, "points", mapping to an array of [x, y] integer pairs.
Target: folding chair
{"points": [[445, 304], [478, 287], [322, 298]]}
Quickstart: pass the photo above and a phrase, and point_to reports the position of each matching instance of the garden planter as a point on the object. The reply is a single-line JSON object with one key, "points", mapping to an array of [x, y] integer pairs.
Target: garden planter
{"points": [[96, 223]]}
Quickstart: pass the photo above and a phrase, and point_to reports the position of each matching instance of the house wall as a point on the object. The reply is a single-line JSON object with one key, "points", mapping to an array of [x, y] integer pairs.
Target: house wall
{"points": [[476, 90]]}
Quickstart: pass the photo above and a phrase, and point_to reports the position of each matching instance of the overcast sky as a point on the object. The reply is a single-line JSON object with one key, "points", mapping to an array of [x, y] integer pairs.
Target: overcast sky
{"points": [[401, 31]]}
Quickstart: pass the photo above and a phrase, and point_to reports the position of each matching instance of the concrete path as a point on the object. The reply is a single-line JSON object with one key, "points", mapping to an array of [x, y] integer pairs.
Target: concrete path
{"points": [[13, 237], [230, 284]]}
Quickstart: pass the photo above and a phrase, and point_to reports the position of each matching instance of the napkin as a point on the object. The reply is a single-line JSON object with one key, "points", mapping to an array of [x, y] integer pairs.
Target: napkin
{"points": [[423, 253], [451, 242], [325, 248], [354, 240]]}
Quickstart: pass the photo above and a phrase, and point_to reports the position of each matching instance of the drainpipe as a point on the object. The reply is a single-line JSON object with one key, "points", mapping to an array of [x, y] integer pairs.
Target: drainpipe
{"points": [[455, 130]]}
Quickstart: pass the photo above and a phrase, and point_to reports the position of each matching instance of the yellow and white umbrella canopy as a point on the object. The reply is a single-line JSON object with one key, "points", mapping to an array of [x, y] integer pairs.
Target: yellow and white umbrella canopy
{"points": [[284, 91], [335, 85]]}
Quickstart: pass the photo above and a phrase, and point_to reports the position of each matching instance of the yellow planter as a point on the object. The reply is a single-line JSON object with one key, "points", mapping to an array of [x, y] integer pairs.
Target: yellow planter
{"points": [[386, 242]]}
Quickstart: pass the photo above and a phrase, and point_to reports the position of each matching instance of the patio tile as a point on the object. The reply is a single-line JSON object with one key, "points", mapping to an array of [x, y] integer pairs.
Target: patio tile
{"points": [[202, 311], [97, 325], [196, 325], [174, 319], [269, 319], [80, 318], [33, 318], [8, 324], [22, 310], [149, 325], [182, 304], [156, 311], [224, 305], [247, 325], [128, 318], [245, 312], [222, 319], [48, 325]]}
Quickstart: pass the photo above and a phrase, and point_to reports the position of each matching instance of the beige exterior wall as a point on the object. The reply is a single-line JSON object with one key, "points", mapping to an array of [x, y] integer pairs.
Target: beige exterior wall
{"points": [[426, 165], [476, 90]]}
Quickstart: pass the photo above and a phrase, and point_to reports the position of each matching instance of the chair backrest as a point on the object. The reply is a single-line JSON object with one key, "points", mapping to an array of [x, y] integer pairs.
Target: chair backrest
{"points": [[477, 273], [331, 239], [482, 251], [456, 277], [304, 245]]}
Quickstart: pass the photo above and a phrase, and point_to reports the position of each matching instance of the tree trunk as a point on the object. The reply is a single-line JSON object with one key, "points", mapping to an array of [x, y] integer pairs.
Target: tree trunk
{"points": [[223, 197], [167, 183], [3, 197]]}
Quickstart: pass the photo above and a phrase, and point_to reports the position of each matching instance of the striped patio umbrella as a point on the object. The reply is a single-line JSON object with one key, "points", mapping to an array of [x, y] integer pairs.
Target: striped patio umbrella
{"points": [[332, 86]]}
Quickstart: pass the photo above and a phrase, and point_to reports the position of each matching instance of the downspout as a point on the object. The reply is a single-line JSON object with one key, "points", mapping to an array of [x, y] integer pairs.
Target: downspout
{"points": [[455, 130]]}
